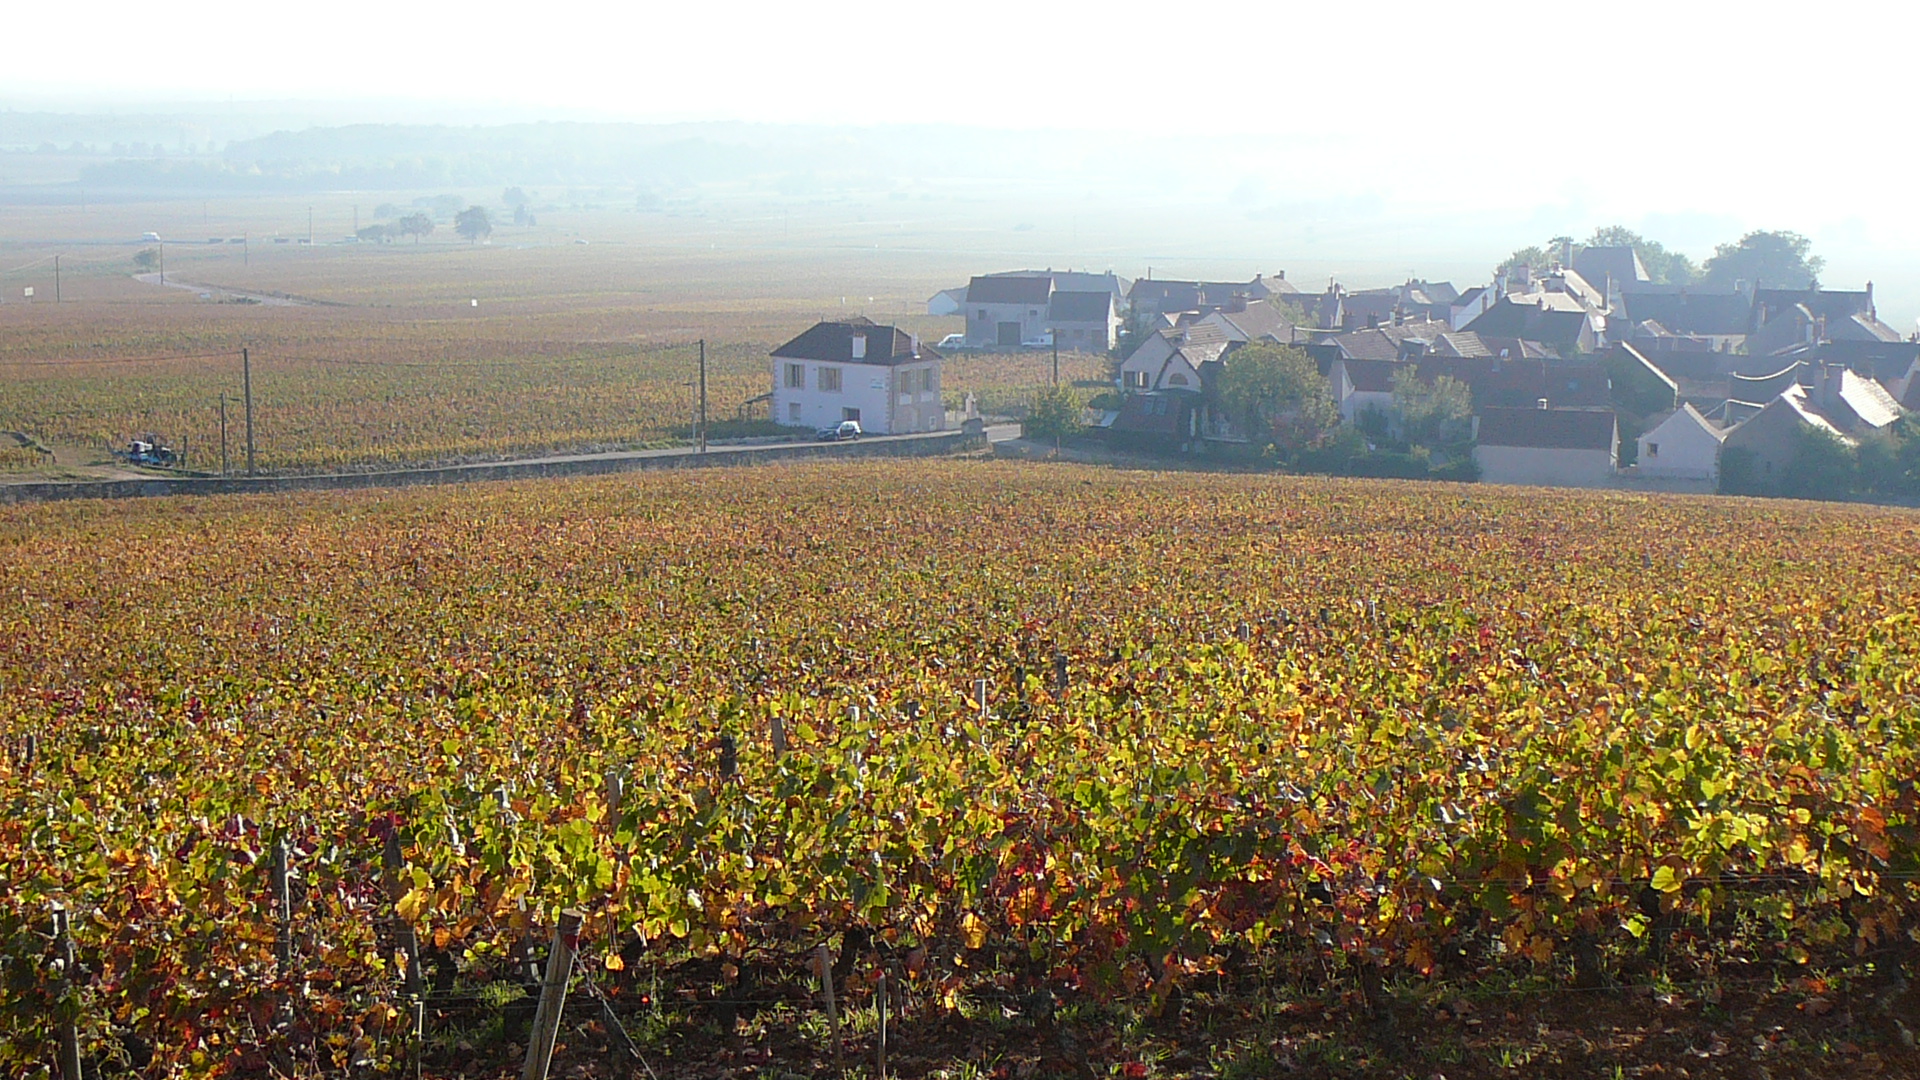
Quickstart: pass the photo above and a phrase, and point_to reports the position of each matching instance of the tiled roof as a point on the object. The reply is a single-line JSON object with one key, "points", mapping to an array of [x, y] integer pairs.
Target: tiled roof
{"points": [[1619, 266], [1081, 307], [1546, 429], [1691, 312], [1372, 376], [833, 341], [1009, 290]]}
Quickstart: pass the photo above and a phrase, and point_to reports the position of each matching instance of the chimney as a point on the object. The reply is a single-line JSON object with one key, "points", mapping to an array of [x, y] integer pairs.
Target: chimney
{"points": [[1281, 275]]}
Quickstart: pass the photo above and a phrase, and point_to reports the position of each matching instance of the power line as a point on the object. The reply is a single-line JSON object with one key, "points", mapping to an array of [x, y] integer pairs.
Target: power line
{"points": [[76, 361]]}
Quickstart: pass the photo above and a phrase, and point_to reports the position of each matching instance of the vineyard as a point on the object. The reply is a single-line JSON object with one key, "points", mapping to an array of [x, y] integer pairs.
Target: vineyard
{"points": [[442, 356], [1093, 771]]}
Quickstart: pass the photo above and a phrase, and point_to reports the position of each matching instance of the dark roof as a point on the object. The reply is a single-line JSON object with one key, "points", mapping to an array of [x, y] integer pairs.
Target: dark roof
{"points": [[1835, 304], [1758, 390], [1081, 307], [1600, 265], [1072, 280], [1372, 376], [1009, 290], [1155, 413], [833, 341], [1531, 323], [1691, 312], [1546, 429]]}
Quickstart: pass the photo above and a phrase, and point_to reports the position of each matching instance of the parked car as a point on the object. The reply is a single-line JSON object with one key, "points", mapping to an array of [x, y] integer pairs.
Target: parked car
{"points": [[845, 429], [953, 341], [150, 238]]}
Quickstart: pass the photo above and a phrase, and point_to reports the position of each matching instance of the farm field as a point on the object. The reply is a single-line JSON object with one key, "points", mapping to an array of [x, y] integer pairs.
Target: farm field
{"points": [[444, 351], [1344, 778]]}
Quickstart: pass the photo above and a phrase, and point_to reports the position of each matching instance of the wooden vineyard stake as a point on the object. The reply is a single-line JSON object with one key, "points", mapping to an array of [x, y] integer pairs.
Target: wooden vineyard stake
{"points": [[553, 997], [70, 1068], [980, 696], [825, 963], [404, 934], [779, 738], [1059, 674], [616, 791], [283, 932], [881, 1051]]}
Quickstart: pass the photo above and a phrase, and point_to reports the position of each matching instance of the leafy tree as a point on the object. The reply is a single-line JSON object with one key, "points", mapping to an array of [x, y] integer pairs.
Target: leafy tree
{"points": [[1890, 459], [520, 214], [515, 198], [473, 223], [1431, 413], [375, 233], [1055, 415], [1663, 266], [147, 258], [1778, 259], [1740, 472], [414, 225], [1823, 467], [1276, 391], [1535, 257]]}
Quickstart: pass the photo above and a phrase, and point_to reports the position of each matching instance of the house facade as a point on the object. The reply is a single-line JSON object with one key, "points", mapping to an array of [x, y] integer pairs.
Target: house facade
{"points": [[1684, 446], [1007, 312], [1547, 447], [857, 370], [1083, 321]]}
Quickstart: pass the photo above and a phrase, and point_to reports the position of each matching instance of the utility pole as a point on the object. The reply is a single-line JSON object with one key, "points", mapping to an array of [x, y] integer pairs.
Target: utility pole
{"points": [[246, 385], [163, 262], [223, 433], [703, 395], [309, 226], [1054, 333], [246, 249], [356, 219], [56, 279]]}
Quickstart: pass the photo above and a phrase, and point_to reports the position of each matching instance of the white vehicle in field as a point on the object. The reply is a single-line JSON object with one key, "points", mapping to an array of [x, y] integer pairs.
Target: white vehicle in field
{"points": [[953, 341], [150, 238]]}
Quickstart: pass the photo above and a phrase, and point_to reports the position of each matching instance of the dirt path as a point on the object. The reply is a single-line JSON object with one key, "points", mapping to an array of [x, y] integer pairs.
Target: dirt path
{"points": [[218, 292]]}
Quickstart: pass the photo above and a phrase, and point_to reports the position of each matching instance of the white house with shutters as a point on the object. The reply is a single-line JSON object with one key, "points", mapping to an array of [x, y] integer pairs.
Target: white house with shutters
{"points": [[857, 370]]}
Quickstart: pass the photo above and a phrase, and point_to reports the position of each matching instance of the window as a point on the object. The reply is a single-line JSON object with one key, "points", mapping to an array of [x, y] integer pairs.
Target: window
{"points": [[1653, 449], [859, 346], [1177, 379], [830, 380], [850, 414], [981, 314], [793, 410], [1137, 380], [796, 376]]}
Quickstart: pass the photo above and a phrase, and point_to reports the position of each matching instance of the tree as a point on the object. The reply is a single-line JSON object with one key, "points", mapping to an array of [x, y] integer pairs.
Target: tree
{"points": [[414, 225], [1055, 415], [1277, 392], [1535, 257], [147, 258], [514, 197], [376, 233], [1431, 413], [1780, 259], [1823, 467], [1663, 266], [473, 223]]}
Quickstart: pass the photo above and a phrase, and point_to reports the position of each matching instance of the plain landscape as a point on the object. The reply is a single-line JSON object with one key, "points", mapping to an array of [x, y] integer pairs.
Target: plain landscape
{"points": [[1053, 756]]}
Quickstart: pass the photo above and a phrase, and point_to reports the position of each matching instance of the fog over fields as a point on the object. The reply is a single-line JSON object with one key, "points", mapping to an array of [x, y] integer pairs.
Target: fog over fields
{"points": [[1287, 138]]}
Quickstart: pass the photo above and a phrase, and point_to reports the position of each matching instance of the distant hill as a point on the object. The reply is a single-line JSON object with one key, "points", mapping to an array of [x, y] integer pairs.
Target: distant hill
{"points": [[406, 157]]}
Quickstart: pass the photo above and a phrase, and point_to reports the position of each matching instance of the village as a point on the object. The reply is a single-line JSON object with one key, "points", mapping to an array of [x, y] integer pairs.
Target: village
{"points": [[1583, 371]]}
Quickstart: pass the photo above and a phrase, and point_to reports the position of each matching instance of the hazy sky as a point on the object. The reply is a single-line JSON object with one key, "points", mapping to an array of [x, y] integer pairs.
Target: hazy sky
{"points": [[1705, 117]]}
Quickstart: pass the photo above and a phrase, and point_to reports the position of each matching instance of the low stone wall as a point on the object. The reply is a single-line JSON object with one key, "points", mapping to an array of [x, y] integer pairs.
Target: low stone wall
{"points": [[936, 444]]}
